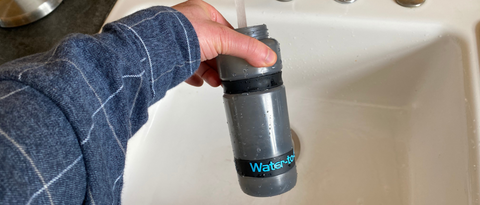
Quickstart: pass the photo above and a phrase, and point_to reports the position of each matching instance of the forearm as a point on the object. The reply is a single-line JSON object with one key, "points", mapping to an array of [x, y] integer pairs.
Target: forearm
{"points": [[102, 86]]}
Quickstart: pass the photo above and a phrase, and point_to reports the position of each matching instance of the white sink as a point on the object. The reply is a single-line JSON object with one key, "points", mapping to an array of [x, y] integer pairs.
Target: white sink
{"points": [[383, 98]]}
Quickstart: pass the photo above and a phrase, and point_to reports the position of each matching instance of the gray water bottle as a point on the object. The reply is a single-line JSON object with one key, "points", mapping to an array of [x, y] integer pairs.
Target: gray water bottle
{"points": [[256, 107]]}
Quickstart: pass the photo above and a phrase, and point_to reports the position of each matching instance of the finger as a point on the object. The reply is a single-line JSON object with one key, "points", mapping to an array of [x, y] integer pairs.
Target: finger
{"points": [[212, 63], [208, 74], [195, 80], [252, 50]]}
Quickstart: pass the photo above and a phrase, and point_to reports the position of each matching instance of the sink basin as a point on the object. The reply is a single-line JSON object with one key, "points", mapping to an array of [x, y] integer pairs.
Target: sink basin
{"points": [[384, 100]]}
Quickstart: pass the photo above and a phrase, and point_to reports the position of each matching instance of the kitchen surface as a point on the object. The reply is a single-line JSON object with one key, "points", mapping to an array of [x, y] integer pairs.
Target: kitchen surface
{"points": [[70, 16]]}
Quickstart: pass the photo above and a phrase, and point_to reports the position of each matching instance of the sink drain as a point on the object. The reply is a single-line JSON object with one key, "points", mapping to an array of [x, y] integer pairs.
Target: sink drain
{"points": [[296, 145]]}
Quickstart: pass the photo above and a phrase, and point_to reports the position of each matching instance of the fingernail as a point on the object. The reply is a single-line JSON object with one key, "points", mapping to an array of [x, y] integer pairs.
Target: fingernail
{"points": [[270, 58]]}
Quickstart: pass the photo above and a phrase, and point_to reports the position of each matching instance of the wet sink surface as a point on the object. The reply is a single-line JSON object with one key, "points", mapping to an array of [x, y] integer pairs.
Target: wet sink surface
{"points": [[385, 110]]}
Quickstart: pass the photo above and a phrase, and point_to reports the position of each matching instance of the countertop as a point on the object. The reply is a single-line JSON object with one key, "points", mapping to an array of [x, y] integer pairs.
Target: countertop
{"points": [[71, 16]]}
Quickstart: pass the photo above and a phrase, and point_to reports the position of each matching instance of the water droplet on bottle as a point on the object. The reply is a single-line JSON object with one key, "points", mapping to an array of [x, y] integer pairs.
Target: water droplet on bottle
{"points": [[259, 150], [234, 74], [245, 72]]}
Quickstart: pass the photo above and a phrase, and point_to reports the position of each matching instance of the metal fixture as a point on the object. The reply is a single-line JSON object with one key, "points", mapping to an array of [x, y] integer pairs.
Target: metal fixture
{"points": [[345, 1], [284, 0], [15, 13], [410, 3]]}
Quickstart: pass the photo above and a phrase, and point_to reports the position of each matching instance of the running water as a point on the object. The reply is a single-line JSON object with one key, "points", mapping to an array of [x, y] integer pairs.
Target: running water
{"points": [[241, 17]]}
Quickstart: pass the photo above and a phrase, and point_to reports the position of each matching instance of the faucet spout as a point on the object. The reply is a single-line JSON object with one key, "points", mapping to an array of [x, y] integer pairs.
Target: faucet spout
{"points": [[345, 1]]}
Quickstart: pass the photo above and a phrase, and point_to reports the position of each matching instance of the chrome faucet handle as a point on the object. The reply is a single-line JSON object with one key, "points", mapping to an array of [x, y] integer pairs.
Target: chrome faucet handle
{"points": [[345, 1], [410, 3]]}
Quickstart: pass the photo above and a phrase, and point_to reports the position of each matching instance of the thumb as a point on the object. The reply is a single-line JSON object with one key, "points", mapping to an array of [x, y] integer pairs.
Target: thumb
{"points": [[252, 50]]}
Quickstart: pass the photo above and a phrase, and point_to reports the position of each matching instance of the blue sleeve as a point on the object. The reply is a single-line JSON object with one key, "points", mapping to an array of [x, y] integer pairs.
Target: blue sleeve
{"points": [[66, 115]]}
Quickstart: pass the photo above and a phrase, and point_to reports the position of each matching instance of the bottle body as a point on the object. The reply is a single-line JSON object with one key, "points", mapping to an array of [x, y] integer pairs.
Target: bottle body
{"points": [[256, 108]]}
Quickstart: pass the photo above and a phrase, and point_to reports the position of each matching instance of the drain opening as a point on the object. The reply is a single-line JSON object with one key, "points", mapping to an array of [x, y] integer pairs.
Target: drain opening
{"points": [[296, 145]]}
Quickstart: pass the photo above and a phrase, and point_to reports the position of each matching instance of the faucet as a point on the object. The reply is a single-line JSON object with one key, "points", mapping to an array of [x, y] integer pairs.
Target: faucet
{"points": [[345, 1], [410, 3]]}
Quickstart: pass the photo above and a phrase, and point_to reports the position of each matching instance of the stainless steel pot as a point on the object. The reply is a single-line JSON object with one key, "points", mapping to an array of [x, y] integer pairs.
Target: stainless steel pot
{"points": [[15, 13]]}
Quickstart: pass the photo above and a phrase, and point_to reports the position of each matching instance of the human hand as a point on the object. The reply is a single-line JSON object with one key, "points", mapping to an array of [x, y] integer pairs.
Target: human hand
{"points": [[216, 36]]}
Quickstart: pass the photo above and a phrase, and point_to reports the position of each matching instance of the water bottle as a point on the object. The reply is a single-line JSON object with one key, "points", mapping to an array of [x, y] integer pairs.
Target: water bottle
{"points": [[256, 108]]}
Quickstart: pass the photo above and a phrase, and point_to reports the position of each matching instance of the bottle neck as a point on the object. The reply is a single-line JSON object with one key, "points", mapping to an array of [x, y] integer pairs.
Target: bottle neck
{"points": [[259, 31]]}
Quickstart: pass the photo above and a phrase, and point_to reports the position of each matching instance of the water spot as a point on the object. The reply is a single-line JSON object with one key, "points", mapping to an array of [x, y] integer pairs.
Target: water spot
{"points": [[259, 150]]}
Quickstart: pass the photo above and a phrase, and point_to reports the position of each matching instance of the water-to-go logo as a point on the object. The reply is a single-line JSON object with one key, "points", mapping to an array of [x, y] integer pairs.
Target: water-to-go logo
{"points": [[266, 167], [272, 166]]}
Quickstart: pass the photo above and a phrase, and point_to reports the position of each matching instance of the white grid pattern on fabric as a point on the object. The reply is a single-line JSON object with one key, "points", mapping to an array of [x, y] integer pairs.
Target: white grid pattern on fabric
{"points": [[102, 106]]}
